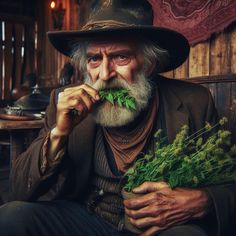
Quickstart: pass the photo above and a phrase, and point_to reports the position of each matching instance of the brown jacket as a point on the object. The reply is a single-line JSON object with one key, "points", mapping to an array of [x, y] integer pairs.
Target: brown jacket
{"points": [[184, 103]]}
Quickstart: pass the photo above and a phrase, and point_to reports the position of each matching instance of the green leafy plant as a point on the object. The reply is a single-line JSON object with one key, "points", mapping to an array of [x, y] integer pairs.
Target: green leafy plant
{"points": [[190, 161], [118, 96]]}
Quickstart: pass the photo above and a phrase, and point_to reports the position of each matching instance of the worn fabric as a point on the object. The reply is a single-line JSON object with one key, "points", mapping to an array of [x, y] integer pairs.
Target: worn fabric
{"points": [[105, 196], [70, 178], [55, 218], [197, 20], [66, 218]]}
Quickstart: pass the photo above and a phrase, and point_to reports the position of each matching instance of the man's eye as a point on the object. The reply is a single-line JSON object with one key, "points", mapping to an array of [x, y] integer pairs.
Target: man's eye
{"points": [[122, 59], [93, 59]]}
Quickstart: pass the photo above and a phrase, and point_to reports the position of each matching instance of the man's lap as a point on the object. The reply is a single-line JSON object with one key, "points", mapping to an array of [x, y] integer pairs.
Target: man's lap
{"points": [[64, 218]]}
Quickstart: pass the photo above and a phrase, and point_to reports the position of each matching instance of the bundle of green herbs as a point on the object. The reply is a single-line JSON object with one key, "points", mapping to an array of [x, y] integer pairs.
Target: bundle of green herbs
{"points": [[118, 96], [190, 161]]}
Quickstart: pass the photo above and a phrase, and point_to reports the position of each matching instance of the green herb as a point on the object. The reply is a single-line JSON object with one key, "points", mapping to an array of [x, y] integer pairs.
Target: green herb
{"points": [[190, 161], [119, 96]]}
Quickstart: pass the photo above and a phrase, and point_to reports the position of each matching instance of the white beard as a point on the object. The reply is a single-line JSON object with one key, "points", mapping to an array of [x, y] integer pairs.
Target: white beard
{"points": [[109, 115]]}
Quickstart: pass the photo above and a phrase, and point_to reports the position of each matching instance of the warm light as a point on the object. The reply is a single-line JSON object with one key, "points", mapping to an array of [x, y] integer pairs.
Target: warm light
{"points": [[58, 14], [53, 4]]}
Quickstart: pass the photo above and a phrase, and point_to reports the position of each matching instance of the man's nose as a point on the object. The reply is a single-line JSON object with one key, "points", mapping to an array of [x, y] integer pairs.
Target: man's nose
{"points": [[106, 69]]}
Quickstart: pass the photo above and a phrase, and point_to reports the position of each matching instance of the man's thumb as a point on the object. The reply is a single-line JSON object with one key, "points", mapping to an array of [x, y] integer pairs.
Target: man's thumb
{"points": [[148, 187]]}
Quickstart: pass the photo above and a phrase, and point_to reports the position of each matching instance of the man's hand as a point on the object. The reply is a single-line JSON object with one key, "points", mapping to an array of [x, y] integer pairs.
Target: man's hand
{"points": [[73, 106], [81, 99], [161, 207]]}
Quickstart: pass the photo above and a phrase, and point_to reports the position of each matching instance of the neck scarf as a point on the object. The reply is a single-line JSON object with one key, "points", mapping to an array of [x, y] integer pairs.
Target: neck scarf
{"points": [[126, 144]]}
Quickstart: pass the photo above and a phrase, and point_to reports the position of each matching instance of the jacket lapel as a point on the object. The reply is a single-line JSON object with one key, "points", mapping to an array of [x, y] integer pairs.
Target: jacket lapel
{"points": [[176, 114]]}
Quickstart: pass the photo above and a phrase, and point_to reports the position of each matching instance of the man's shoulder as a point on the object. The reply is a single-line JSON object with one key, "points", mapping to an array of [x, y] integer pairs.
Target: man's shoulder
{"points": [[185, 90]]}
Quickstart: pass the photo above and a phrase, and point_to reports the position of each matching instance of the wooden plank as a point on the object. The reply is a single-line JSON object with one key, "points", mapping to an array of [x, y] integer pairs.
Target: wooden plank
{"points": [[223, 97], [169, 74], [41, 35], [182, 71], [232, 112], [219, 55], [233, 93], [31, 47], [8, 61], [212, 88], [19, 28], [214, 79], [68, 14], [74, 14], [14, 125], [16, 18], [233, 49], [199, 60], [1, 62], [27, 66]]}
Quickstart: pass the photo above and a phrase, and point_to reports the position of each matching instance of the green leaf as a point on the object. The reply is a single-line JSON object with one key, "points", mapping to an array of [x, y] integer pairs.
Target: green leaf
{"points": [[119, 102], [110, 98], [189, 161], [119, 96]]}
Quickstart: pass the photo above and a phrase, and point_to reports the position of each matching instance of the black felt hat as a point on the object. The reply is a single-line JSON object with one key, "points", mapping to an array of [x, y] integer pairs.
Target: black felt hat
{"points": [[111, 19]]}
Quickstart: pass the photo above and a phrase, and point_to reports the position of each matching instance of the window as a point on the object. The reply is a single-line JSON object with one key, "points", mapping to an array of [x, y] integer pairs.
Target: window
{"points": [[18, 44]]}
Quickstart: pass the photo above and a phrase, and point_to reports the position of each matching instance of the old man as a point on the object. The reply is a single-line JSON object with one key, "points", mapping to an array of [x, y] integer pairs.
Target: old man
{"points": [[68, 181]]}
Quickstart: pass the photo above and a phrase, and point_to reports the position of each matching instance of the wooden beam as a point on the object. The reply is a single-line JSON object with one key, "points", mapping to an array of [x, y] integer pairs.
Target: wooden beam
{"points": [[1, 64], [17, 18], [213, 79]]}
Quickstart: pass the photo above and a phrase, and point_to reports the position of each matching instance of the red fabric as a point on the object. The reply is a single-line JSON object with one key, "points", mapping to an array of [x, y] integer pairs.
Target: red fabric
{"points": [[197, 20]]}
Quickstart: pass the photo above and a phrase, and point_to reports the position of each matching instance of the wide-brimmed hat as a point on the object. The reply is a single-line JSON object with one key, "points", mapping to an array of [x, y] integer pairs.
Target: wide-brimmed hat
{"points": [[117, 19]]}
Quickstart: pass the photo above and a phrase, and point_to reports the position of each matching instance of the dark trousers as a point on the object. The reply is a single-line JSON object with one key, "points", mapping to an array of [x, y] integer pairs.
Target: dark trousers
{"points": [[65, 218]]}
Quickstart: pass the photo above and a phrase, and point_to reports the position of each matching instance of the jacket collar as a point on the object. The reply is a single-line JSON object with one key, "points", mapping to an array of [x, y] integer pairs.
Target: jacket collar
{"points": [[176, 113]]}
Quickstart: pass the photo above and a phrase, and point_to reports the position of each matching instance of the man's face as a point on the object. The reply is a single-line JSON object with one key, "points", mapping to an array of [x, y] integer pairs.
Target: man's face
{"points": [[117, 65], [108, 60]]}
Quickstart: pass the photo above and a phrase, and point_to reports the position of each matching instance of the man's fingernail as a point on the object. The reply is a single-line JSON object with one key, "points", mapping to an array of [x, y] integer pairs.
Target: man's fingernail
{"points": [[97, 97]]}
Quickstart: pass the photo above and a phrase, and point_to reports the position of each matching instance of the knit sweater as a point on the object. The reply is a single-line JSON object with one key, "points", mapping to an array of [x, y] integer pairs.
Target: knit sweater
{"points": [[105, 198]]}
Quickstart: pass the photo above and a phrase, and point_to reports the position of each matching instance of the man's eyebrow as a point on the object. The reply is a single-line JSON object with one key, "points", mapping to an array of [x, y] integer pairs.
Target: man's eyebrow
{"points": [[92, 54], [123, 51]]}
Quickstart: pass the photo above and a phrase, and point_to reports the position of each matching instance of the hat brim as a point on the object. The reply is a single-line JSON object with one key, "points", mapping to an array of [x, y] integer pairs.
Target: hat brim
{"points": [[175, 43]]}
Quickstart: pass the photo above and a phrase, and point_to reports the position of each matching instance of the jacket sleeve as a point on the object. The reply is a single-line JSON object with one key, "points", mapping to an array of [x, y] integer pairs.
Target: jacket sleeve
{"points": [[27, 182], [224, 201], [223, 196]]}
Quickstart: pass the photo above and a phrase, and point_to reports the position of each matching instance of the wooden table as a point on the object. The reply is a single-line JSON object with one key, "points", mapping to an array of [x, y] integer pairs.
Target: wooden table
{"points": [[20, 134]]}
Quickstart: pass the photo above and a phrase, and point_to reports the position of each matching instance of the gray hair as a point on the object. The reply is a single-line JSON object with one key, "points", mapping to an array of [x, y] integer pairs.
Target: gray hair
{"points": [[152, 54]]}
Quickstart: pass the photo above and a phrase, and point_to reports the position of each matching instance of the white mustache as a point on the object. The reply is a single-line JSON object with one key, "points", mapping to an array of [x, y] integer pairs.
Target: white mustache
{"points": [[112, 83]]}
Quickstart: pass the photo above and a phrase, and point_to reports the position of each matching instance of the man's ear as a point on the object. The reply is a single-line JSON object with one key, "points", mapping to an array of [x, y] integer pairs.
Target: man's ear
{"points": [[152, 68]]}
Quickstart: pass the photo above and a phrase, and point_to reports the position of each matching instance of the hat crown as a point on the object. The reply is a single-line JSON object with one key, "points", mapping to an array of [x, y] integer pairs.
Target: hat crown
{"points": [[130, 12]]}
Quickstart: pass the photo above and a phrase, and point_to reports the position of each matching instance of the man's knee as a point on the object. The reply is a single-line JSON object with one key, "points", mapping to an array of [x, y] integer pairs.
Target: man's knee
{"points": [[190, 230], [15, 217]]}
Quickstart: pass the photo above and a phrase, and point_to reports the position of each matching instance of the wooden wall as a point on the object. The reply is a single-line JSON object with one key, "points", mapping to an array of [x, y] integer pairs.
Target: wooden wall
{"points": [[17, 46], [216, 56], [213, 64], [50, 62]]}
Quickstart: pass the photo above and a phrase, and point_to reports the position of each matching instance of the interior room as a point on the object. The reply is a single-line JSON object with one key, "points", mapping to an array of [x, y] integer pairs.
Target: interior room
{"points": [[30, 67]]}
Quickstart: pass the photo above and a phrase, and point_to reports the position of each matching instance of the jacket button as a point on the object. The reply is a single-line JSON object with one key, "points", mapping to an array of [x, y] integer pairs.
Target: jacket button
{"points": [[121, 225], [29, 183]]}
